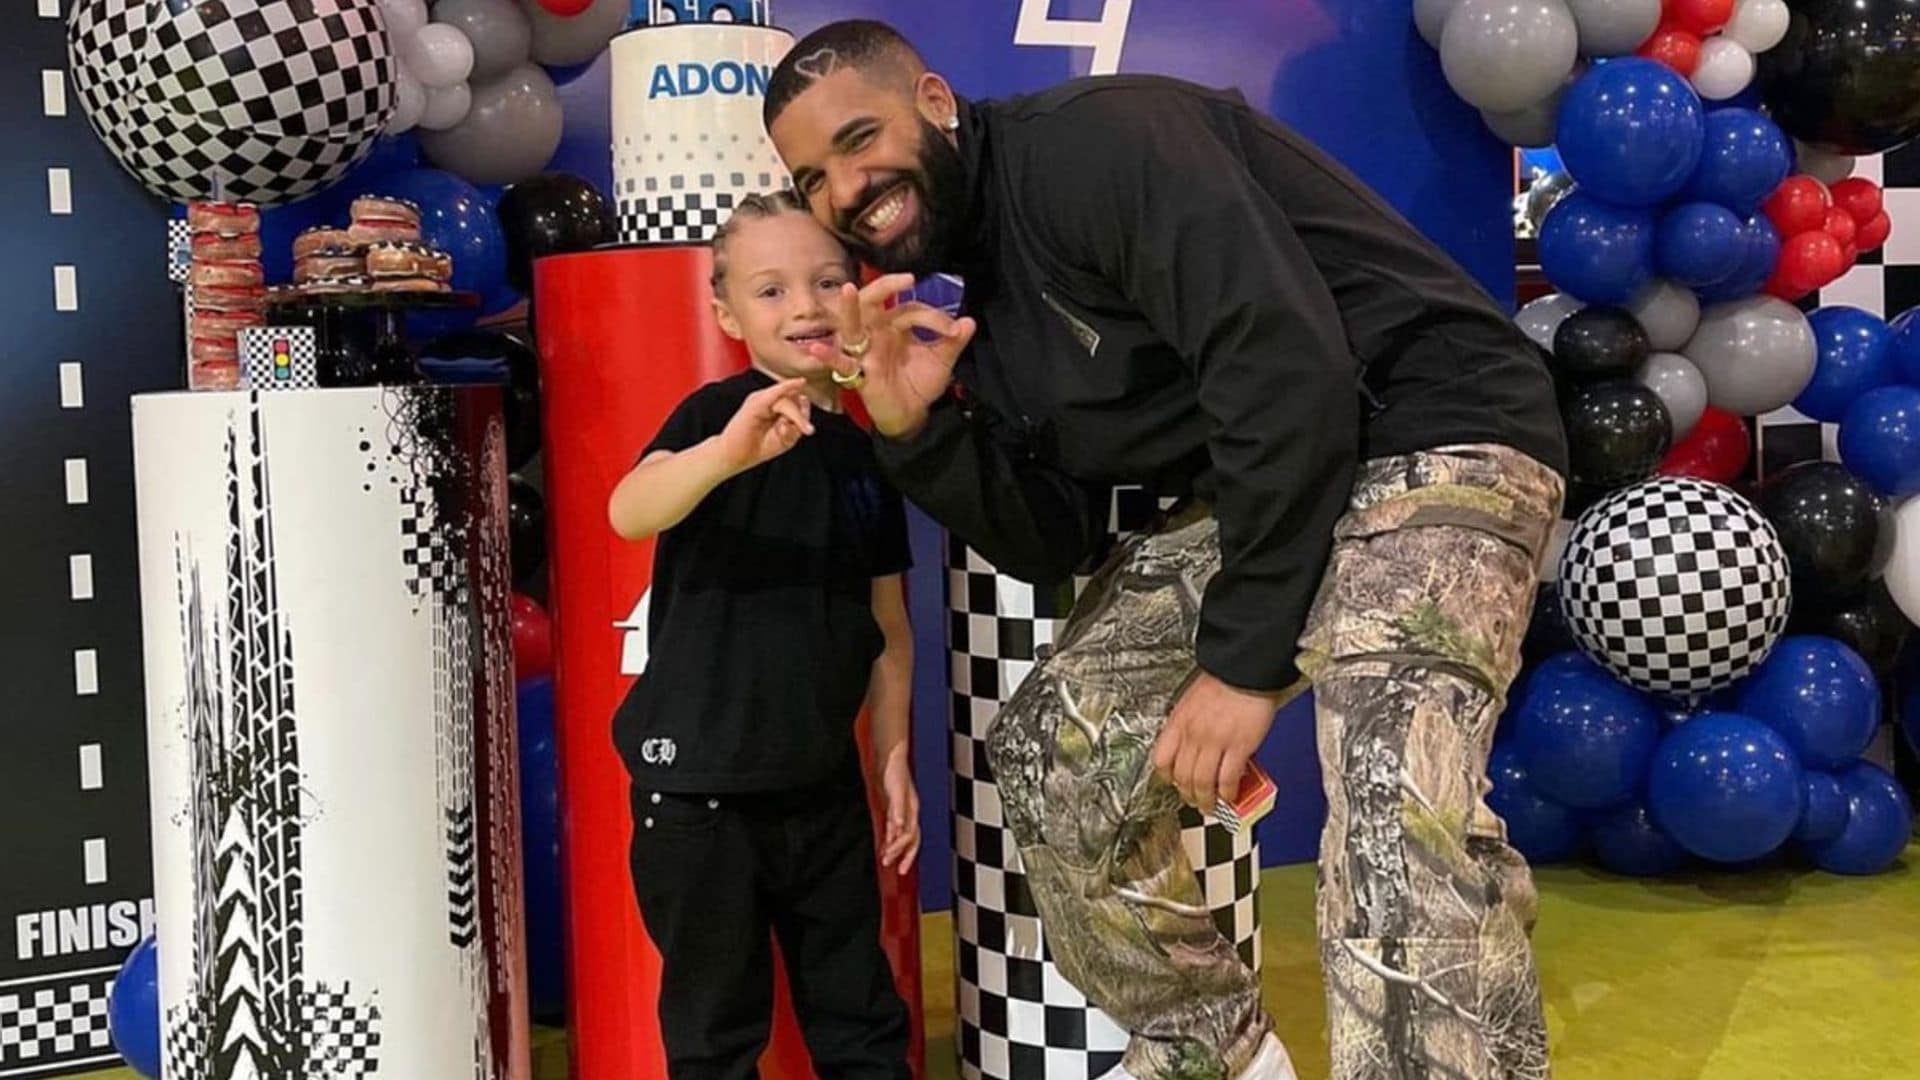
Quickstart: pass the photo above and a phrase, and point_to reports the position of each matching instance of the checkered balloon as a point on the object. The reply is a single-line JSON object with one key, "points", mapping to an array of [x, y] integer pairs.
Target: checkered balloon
{"points": [[275, 99], [1676, 585]]}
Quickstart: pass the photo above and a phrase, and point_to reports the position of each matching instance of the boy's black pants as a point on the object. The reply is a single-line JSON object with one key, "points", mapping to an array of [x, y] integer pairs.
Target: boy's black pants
{"points": [[713, 876]]}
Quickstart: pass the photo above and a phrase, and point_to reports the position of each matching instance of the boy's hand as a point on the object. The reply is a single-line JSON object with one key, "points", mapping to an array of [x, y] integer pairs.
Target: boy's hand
{"points": [[902, 841], [902, 376], [770, 423]]}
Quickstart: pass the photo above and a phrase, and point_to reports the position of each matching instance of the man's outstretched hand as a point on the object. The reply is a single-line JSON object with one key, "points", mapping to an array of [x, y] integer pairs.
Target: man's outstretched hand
{"points": [[904, 375]]}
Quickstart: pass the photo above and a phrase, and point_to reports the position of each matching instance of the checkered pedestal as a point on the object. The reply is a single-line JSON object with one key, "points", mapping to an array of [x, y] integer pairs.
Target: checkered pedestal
{"points": [[1019, 1018]]}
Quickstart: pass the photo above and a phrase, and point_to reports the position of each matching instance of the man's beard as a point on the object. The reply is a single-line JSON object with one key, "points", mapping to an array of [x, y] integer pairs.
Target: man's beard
{"points": [[939, 186]]}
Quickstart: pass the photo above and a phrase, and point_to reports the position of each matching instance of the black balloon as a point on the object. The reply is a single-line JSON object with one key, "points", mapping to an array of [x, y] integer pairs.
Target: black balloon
{"points": [[1548, 633], [551, 214], [1617, 432], [1869, 623], [522, 392], [1832, 526], [526, 528], [1847, 77], [1599, 343]]}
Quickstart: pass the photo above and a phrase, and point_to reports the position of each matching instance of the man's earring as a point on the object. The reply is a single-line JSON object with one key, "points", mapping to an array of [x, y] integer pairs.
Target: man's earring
{"points": [[953, 123]]}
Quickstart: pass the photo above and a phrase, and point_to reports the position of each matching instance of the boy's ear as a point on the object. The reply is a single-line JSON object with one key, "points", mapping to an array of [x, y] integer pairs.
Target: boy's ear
{"points": [[728, 324]]}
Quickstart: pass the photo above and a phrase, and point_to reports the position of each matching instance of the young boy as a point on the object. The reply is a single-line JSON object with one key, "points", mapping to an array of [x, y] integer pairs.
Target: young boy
{"points": [[777, 610]]}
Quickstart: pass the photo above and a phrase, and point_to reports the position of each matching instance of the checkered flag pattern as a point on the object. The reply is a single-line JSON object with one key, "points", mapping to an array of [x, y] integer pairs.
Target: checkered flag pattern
{"points": [[179, 251], [1677, 586], [1018, 1016], [343, 1034], [273, 99], [687, 217], [45, 1023], [260, 345], [185, 1046]]}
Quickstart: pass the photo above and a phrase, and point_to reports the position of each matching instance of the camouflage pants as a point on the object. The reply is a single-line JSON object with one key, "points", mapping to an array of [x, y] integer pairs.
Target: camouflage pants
{"points": [[1423, 908]]}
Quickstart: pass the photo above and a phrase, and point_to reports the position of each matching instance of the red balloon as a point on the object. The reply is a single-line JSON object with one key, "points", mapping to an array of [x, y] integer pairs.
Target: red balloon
{"points": [[1807, 262], [1798, 205], [566, 8], [1840, 225], [1701, 17], [1716, 449], [532, 638], [1874, 233], [1859, 197], [1678, 49]]}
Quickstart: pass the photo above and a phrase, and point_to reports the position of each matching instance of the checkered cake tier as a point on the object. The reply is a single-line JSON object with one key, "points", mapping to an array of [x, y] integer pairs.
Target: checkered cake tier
{"points": [[1019, 1018]]}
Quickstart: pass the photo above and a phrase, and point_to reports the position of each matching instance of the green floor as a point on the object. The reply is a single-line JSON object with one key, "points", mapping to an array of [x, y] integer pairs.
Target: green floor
{"points": [[1720, 977]]}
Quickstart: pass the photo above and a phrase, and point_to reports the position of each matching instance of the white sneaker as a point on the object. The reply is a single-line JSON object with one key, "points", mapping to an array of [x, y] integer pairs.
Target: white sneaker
{"points": [[1270, 1062]]}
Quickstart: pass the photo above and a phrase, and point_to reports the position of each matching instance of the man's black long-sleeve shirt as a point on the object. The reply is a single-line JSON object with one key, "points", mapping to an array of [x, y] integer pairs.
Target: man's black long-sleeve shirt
{"points": [[1176, 291]]}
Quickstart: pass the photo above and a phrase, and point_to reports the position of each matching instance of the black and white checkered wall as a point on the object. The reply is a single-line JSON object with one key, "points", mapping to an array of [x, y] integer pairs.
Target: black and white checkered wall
{"points": [[86, 327], [1018, 1016]]}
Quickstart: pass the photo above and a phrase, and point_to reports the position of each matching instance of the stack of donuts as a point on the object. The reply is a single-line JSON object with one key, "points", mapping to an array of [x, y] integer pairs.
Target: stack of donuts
{"points": [[227, 284], [378, 251]]}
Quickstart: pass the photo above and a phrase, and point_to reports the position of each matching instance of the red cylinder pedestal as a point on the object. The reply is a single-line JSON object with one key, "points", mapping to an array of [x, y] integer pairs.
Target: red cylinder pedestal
{"points": [[624, 335]]}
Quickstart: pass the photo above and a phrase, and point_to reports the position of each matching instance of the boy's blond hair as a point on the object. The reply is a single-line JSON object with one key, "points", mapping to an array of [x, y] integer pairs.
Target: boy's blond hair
{"points": [[752, 207]]}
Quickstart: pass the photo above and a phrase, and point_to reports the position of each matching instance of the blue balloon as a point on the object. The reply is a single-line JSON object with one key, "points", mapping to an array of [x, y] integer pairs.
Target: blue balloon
{"points": [[1596, 251], [1855, 357], [1904, 345], [540, 849], [133, 1009], [1880, 440], [1544, 831], [1585, 737], [1756, 265], [392, 154], [1626, 841], [1879, 823], [1726, 786], [1748, 99], [1746, 156], [1826, 813], [1700, 243], [1820, 695], [1909, 683], [1631, 132]]}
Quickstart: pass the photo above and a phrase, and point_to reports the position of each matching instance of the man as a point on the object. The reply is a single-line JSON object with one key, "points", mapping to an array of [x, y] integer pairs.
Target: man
{"points": [[1167, 288]]}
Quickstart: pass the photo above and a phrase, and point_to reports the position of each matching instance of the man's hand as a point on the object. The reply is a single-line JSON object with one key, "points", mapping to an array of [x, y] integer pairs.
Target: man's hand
{"points": [[904, 375], [901, 843], [770, 423], [1213, 729]]}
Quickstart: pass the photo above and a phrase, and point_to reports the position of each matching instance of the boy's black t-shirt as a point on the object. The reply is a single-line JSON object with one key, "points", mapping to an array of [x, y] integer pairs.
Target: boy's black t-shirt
{"points": [[760, 631]]}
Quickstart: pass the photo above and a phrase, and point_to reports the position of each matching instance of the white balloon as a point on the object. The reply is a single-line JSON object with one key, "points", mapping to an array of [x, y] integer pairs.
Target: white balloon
{"points": [[410, 103], [1823, 165], [446, 106], [440, 56], [1541, 319], [404, 19], [1725, 69], [1430, 16], [1758, 25], [1668, 311], [1903, 568]]}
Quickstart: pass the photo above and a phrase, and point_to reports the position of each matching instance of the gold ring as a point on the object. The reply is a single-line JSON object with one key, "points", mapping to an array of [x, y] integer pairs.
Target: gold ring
{"points": [[855, 352], [852, 382]]}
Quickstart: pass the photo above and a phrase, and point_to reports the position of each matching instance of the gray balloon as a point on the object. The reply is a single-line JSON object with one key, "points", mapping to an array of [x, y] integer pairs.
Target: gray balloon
{"points": [[1679, 386], [1536, 124], [1541, 319], [1543, 195], [1507, 55], [1430, 16], [574, 39], [1668, 311], [1614, 27], [501, 35], [1757, 354], [509, 135]]}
